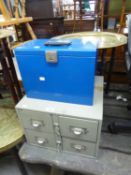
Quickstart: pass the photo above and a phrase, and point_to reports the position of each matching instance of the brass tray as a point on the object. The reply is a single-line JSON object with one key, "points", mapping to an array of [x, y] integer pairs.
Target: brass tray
{"points": [[11, 132], [103, 40]]}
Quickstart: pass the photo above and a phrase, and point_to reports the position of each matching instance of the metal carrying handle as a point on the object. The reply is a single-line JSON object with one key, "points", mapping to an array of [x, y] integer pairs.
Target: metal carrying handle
{"points": [[36, 124], [78, 131], [41, 141], [79, 147]]}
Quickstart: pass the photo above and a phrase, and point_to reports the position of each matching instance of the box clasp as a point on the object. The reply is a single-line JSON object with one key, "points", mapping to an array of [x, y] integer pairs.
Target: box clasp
{"points": [[51, 56]]}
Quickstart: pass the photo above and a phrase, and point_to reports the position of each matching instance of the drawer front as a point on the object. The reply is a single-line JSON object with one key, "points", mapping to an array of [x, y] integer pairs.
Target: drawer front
{"points": [[80, 147], [41, 139], [35, 120], [78, 128]]}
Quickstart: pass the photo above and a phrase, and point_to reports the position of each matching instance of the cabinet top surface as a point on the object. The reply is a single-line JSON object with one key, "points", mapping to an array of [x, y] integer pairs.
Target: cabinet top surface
{"points": [[79, 111]]}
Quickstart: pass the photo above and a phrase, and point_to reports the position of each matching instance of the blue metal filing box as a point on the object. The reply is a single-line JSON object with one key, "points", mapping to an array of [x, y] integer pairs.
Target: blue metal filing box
{"points": [[58, 73]]}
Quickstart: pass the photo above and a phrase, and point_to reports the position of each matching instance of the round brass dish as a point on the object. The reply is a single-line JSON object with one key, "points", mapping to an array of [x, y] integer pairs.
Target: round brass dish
{"points": [[11, 132], [102, 39]]}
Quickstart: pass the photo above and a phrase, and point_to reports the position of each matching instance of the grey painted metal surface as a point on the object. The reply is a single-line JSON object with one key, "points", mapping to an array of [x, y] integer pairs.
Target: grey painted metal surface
{"points": [[79, 147], [70, 127], [41, 139], [36, 120]]}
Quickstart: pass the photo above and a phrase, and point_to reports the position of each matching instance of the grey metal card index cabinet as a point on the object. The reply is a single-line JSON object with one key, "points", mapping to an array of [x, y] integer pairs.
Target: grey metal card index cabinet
{"points": [[63, 127]]}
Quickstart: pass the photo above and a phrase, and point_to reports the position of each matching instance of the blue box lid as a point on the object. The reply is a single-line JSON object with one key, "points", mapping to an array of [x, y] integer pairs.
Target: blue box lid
{"points": [[78, 47]]}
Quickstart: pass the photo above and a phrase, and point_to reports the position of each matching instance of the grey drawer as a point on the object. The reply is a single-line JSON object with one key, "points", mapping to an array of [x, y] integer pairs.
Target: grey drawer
{"points": [[78, 128], [40, 139], [80, 147], [36, 120]]}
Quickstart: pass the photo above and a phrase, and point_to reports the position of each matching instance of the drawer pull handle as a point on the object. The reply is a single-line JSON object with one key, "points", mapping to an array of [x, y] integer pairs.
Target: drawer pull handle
{"points": [[41, 141], [36, 124], [78, 131], [79, 147]]}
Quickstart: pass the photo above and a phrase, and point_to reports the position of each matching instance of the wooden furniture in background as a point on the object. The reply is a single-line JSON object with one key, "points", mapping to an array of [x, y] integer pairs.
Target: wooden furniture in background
{"points": [[87, 25], [117, 10], [14, 22], [48, 27], [100, 11], [8, 66], [39, 9], [79, 18], [80, 15], [44, 24], [122, 20], [19, 19], [115, 7], [97, 16], [102, 14]]}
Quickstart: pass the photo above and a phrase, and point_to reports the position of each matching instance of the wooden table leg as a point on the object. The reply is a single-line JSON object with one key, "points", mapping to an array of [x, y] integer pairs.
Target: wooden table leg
{"points": [[8, 54], [110, 70], [103, 61], [8, 79]]}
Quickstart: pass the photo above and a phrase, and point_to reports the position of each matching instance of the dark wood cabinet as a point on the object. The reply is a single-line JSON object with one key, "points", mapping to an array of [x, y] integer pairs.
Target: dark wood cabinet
{"points": [[44, 24], [86, 25], [39, 8], [48, 27]]}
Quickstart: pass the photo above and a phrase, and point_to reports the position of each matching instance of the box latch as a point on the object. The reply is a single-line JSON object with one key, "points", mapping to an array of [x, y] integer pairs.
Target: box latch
{"points": [[51, 56]]}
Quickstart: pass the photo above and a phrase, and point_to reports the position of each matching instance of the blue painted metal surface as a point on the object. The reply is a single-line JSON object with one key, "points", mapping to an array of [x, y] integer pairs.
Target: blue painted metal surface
{"points": [[69, 80]]}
